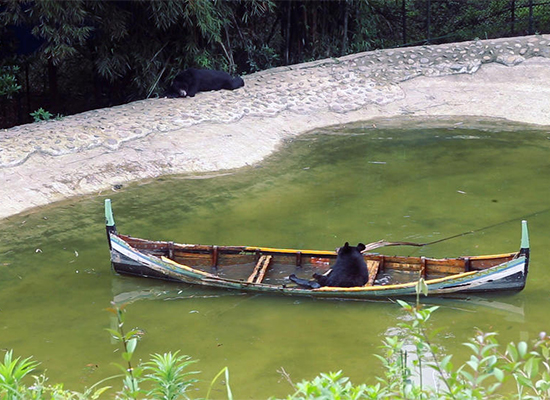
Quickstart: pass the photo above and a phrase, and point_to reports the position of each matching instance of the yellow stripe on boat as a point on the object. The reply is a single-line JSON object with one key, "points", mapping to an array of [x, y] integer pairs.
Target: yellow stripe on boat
{"points": [[277, 250], [389, 287], [487, 257], [187, 268]]}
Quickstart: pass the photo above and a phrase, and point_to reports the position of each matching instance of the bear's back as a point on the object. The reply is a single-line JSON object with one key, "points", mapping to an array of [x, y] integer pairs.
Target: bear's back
{"points": [[349, 270]]}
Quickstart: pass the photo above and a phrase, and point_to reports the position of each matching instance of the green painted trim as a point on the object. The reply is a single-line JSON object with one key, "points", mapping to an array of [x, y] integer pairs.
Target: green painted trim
{"points": [[524, 235], [109, 219]]}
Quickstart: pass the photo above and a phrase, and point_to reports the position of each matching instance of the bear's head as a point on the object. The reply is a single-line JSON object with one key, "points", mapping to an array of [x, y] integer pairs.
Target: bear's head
{"points": [[347, 249], [180, 86]]}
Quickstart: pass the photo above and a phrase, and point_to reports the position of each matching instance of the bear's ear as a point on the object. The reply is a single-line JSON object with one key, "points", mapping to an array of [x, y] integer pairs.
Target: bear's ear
{"points": [[342, 249], [361, 247]]}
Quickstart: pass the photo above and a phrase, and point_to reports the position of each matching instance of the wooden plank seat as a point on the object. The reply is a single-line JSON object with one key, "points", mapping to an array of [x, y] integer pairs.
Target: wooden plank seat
{"points": [[260, 269], [373, 266]]}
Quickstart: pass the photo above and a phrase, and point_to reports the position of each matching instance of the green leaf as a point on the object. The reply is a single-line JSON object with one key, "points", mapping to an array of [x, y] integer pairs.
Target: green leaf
{"points": [[489, 361], [384, 360], [99, 392], [512, 352], [542, 385], [545, 351], [421, 287], [523, 381], [433, 309], [445, 363], [131, 345], [522, 349], [133, 333], [229, 394], [224, 369], [123, 369], [488, 347], [114, 333], [467, 375], [473, 363], [499, 374], [404, 305], [532, 367], [474, 347]]}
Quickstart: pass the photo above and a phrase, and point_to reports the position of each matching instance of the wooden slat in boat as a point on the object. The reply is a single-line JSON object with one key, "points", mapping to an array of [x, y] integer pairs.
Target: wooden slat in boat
{"points": [[260, 269], [373, 266]]}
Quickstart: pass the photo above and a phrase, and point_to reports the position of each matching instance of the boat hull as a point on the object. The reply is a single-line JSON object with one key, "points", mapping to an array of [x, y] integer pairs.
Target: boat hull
{"points": [[509, 276]]}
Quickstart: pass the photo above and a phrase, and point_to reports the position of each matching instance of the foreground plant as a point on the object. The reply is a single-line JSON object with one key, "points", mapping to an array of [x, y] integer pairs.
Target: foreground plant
{"points": [[41, 115], [13, 371], [169, 376], [518, 371], [166, 373], [489, 373], [8, 81], [166, 376]]}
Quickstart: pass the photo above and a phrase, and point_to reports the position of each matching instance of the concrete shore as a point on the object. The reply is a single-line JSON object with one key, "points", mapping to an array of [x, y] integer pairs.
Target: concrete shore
{"points": [[86, 153]]}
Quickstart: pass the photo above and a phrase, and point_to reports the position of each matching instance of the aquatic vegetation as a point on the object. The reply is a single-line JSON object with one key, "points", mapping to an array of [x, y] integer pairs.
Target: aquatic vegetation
{"points": [[520, 371], [492, 371]]}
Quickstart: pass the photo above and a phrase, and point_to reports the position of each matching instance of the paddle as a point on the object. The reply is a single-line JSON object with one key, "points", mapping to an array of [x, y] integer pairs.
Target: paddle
{"points": [[383, 243]]}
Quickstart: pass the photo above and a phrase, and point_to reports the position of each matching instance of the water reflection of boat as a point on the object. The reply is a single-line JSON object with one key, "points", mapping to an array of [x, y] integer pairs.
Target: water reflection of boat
{"points": [[509, 307], [266, 270], [127, 290]]}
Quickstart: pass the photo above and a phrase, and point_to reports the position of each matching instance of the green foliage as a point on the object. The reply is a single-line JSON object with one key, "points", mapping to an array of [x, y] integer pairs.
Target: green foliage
{"points": [[167, 374], [261, 57], [132, 377], [333, 386], [224, 371], [8, 81], [406, 358], [41, 115], [62, 26], [12, 371]]}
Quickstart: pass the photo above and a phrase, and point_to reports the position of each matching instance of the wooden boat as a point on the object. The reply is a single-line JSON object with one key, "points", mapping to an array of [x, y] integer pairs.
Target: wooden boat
{"points": [[266, 270]]}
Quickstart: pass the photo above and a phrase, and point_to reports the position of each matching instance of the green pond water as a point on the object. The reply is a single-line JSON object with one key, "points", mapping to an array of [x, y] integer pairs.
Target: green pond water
{"points": [[405, 180]]}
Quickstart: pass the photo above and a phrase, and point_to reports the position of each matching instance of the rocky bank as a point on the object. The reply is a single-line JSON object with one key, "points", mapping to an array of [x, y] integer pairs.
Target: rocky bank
{"points": [[45, 162]]}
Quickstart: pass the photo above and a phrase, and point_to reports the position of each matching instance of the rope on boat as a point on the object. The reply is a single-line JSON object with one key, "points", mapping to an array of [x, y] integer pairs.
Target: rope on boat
{"points": [[383, 243]]}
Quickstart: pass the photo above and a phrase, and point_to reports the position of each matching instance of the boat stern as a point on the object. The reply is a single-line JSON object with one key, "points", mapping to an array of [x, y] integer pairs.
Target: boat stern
{"points": [[524, 250]]}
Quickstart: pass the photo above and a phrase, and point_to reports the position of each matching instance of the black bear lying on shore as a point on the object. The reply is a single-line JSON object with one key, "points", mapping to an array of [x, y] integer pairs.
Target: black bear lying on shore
{"points": [[191, 81], [349, 270]]}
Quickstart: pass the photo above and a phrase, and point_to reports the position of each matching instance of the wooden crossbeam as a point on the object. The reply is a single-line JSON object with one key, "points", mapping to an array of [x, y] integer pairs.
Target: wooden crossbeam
{"points": [[260, 269], [373, 266]]}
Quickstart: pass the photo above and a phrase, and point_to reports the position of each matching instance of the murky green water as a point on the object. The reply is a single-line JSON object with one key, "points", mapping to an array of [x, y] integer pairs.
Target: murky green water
{"points": [[404, 180]]}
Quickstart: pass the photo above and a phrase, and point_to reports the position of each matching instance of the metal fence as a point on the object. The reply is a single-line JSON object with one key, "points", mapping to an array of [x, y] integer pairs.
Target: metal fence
{"points": [[415, 22]]}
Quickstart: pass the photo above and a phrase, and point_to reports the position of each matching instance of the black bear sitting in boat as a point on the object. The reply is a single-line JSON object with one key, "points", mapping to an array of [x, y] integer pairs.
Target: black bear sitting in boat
{"points": [[349, 270], [192, 81]]}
